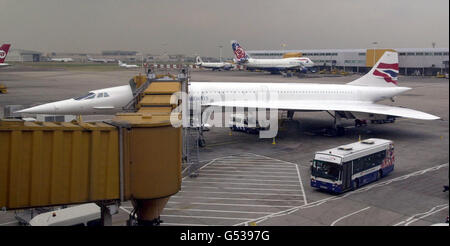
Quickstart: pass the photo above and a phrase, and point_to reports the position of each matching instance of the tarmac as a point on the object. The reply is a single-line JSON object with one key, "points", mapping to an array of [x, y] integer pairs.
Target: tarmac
{"points": [[246, 180]]}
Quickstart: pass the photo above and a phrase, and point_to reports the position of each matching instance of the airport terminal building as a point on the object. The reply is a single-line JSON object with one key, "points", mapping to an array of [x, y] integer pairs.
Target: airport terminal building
{"points": [[412, 61]]}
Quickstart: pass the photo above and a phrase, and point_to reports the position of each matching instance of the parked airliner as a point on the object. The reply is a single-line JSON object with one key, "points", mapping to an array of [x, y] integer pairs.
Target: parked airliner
{"points": [[272, 65], [64, 59], [103, 60], [213, 65], [355, 100], [121, 64]]}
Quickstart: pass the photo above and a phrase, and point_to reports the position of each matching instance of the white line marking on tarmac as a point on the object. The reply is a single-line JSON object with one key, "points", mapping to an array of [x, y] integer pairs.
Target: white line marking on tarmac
{"points": [[232, 188], [298, 174], [360, 190], [413, 218], [204, 217], [207, 164], [234, 204], [250, 168], [348, 215], [241, 193], [8, 223], [180, 224], [216, 211], [233, 172], [238, 199], [270, 180], [301, 184], [234, 183], [249, 164], [240, 175], [244, 169]]}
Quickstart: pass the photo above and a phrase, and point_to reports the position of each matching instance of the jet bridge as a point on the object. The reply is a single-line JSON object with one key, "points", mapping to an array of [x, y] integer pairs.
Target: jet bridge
{"points": [[136, 156]]}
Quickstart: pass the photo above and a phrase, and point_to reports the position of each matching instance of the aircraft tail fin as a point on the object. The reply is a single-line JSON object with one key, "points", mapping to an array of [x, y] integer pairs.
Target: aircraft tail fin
{"points": [[239, 52], [383, 74], [3, 52], [198, 60]]}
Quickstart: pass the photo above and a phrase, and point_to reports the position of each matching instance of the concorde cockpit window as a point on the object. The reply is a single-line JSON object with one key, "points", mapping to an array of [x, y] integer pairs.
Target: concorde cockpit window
{"points": [[100, 94], [105, 94], [90, 95]]}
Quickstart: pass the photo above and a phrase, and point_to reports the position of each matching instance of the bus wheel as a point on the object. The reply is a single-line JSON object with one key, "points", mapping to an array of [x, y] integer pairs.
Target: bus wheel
{"points": [[355, 184], [379, 174]]}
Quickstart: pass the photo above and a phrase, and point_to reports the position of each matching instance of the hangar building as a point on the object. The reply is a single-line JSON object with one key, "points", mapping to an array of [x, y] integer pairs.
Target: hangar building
{"points": [[19, 55]]}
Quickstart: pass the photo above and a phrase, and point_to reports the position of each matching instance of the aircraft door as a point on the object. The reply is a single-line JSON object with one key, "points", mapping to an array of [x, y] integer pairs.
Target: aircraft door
{"points": [[346, 175]]}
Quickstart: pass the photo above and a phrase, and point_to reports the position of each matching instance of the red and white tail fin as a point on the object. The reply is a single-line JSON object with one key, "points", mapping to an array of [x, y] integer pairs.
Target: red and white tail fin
{"points": [[384, 73], [240, 55], [3, 52]]}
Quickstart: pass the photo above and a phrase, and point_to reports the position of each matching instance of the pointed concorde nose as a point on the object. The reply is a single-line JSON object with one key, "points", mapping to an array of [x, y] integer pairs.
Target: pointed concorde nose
{"points": [[48, 108]]}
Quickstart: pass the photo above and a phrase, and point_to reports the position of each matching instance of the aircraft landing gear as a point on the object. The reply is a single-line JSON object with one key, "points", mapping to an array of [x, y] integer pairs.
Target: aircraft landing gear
{"points": [[338, 129], [290, 115]]}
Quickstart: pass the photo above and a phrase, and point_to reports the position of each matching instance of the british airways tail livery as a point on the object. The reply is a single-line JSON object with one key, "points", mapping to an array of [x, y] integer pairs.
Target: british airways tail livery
{"points": [[272, 65], [384, 73]]}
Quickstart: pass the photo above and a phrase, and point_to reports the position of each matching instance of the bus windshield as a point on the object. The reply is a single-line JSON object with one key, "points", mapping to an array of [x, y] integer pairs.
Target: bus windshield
{"points": [[325, 170]]}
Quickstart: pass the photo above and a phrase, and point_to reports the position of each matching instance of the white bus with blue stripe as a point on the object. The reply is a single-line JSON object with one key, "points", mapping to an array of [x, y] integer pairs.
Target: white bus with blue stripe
{"points": [[350, 166]]}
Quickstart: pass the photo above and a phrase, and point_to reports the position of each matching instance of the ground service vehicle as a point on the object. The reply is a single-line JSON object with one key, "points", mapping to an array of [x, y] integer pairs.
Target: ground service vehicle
{"points": [[81, 215], [240, 122]]}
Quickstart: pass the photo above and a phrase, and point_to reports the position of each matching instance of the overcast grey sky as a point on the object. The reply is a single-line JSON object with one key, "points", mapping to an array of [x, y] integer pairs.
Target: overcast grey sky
{"points": [[199, 26]]}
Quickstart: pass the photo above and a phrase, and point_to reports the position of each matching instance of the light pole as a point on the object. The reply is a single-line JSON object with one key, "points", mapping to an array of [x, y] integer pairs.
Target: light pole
{"points": [[164, 45], [220, 52], [284, 46]]}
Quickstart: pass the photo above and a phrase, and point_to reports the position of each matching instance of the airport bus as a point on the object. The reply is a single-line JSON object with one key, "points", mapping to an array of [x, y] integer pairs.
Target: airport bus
{"points": [[350, 166]]}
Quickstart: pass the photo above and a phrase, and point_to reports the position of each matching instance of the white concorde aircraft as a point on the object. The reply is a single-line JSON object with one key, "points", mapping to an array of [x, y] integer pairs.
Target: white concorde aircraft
{"points": [[355, 100], [272, 65], [213, 65]]}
